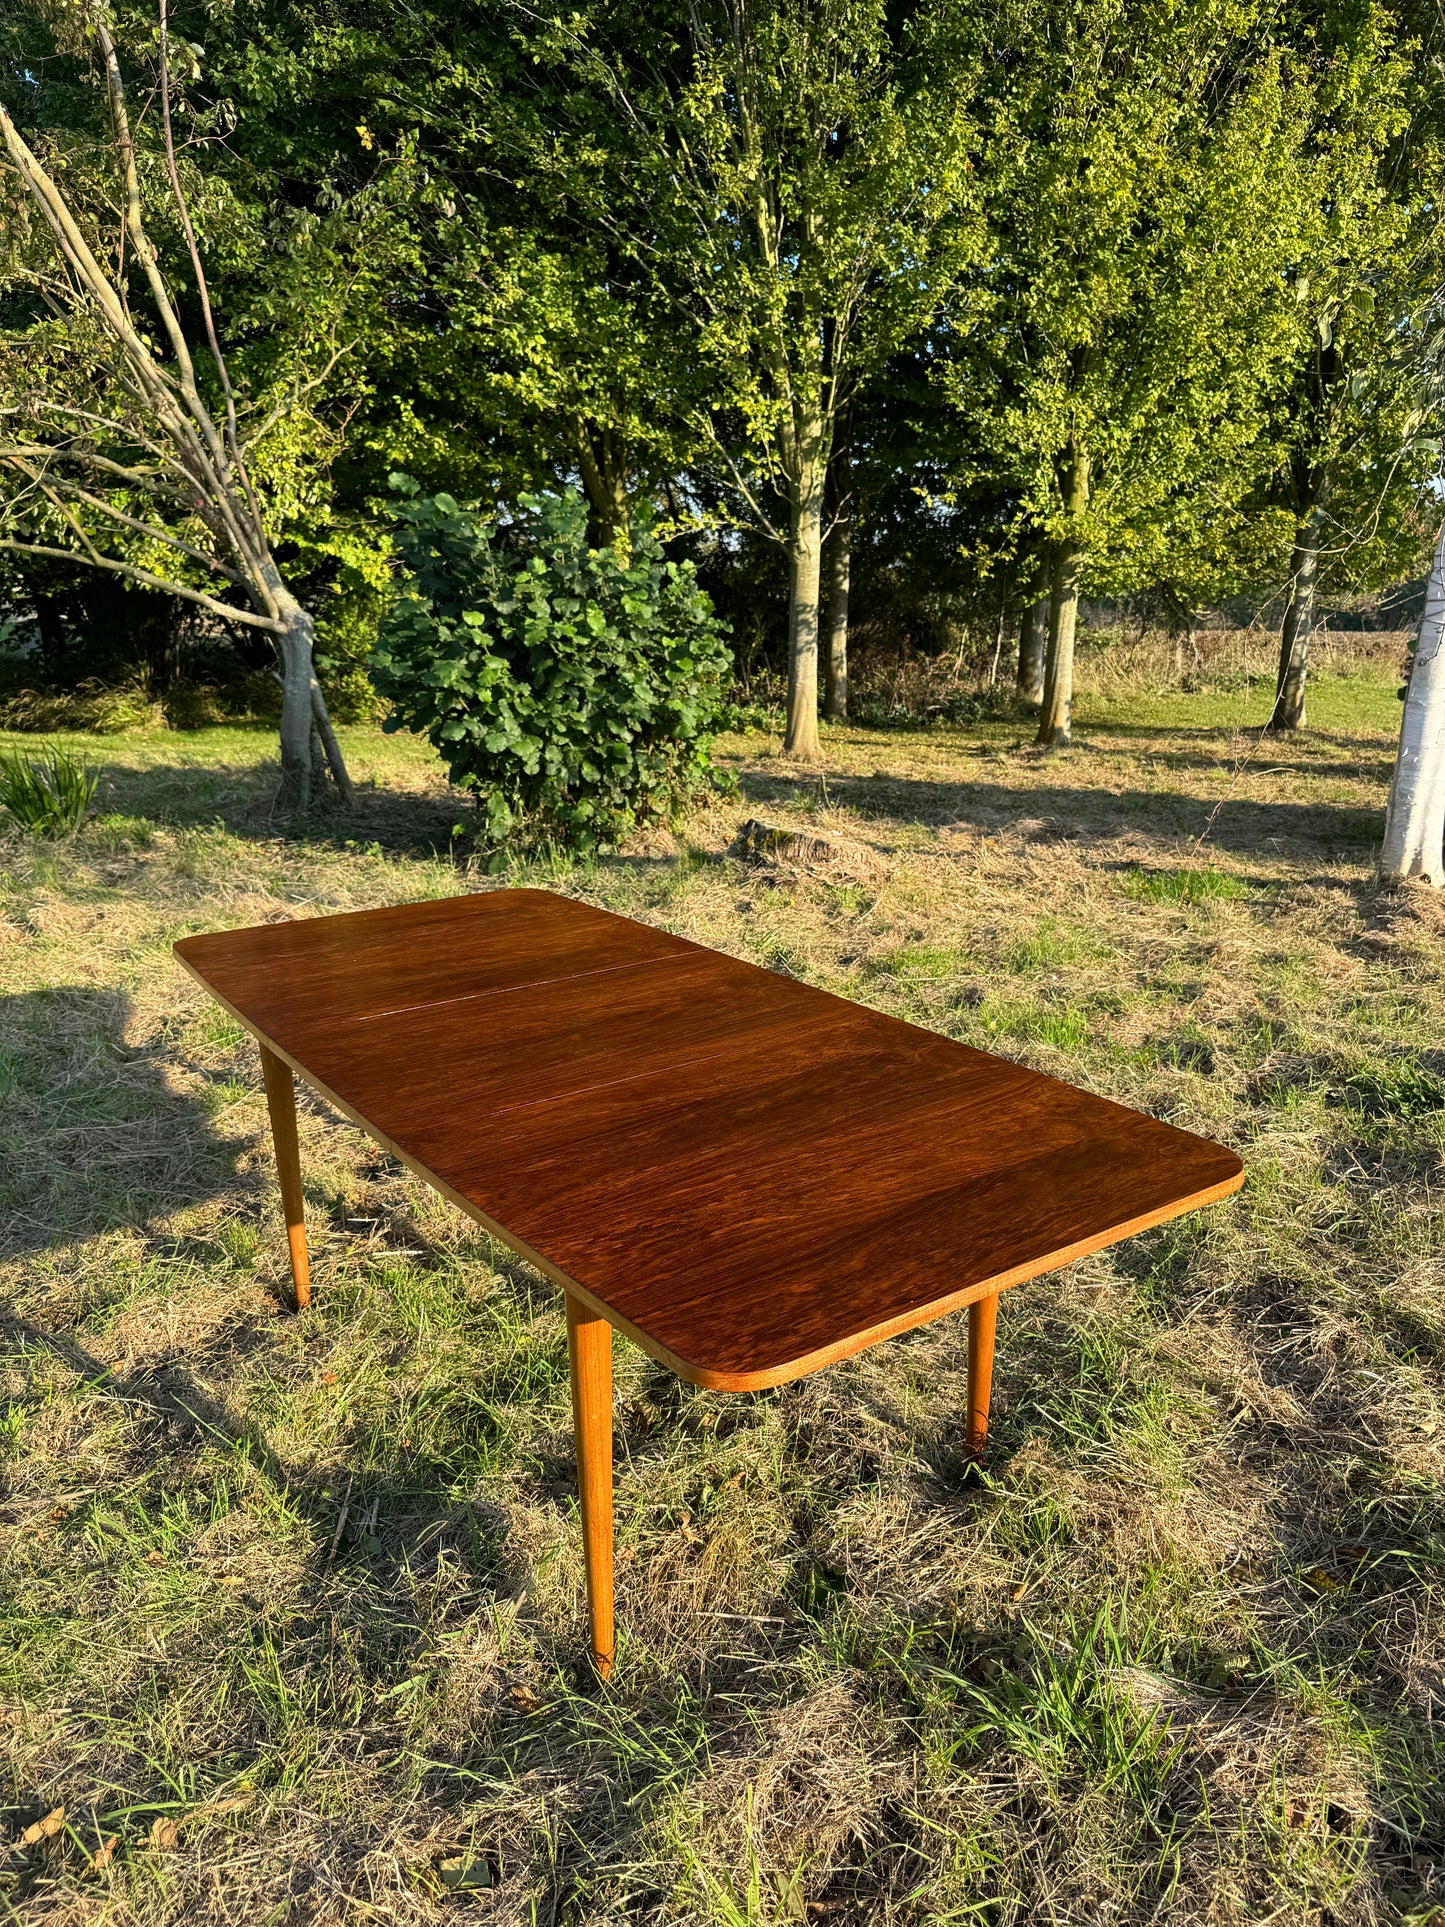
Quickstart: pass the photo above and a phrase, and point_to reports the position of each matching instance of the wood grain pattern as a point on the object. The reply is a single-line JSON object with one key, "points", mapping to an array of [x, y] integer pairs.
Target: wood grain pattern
{"points": [[747, 1175], [589, 1355]]}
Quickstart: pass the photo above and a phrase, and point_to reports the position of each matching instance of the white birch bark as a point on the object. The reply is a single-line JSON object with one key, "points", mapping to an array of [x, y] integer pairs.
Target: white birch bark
{"points": [[806, 567], [1414, 843]]}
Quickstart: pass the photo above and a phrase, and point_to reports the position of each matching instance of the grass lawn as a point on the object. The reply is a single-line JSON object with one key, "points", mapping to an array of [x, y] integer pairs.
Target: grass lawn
{"points": [[292, 1607]]}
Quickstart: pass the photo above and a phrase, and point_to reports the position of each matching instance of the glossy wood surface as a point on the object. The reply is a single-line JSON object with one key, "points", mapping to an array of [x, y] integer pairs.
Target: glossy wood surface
{"points": [[281, 1102], [589, 1354], [982, 1325], [749, 1176]]}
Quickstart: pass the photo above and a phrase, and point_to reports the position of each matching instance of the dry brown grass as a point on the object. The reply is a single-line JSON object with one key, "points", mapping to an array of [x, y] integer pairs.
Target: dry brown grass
{"points": [[308, 1589]]}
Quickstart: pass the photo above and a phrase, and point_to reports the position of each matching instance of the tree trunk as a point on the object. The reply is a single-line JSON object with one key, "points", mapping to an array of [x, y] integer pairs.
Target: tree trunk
{"points": [[999, 633], [1033, 638], [303, 707], [835, 679], [1294, 641], [805, 568], [1414, 843], [331, 748], [1056, 719], [602, 461]]}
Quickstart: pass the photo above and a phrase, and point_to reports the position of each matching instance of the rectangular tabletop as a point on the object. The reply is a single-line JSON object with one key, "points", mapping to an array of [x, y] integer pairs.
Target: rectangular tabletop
{"points": [[749, 1176]]}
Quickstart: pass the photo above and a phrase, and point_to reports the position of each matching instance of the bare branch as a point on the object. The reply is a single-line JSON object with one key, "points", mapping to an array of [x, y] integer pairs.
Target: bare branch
{"points": [[227, 610], [293, 400], [759, 514], [232, 436], [153, 531]]}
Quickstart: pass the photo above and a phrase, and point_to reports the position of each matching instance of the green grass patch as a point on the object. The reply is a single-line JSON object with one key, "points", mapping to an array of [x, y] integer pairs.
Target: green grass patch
{"points": [[920, 963], [1056, 1025], [1192, 885]]}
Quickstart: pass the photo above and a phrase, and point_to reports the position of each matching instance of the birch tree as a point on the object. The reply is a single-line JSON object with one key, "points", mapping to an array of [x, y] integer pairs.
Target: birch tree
{"points": [[1414, 844], [125, 446]]}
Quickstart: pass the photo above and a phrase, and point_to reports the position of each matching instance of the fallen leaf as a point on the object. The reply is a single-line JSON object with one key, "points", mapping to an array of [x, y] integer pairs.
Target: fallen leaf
{"points": [[104, 1854], [463, 1875], [1321, 1580], [45, 1829], [328, 1378], [164, 1834]]}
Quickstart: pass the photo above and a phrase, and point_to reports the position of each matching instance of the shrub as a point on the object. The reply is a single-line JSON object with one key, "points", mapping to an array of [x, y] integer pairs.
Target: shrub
{"points": [[576, 691], [91, 705], [48, 793]]}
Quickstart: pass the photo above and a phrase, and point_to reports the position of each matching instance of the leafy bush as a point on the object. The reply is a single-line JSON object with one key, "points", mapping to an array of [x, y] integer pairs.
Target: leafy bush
{"points": [[47, 794], [578, 693]]}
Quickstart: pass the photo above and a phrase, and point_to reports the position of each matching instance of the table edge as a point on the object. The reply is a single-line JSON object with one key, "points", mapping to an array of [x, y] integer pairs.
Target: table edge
{"points": [[702, 1376]]}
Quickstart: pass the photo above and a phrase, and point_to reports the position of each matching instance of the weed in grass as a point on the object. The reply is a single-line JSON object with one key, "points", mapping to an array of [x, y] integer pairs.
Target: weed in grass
{"points": [[47, 791], [1047, 945], [1405, 1089], [1057, 1027]]}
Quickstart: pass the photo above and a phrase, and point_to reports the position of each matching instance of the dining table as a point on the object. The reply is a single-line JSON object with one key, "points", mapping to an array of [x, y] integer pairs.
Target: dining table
{"points": [[747, 1175]]}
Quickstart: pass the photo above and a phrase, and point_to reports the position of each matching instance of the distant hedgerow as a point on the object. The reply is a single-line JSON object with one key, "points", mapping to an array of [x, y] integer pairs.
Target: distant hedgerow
{"points": [[575, 691]]}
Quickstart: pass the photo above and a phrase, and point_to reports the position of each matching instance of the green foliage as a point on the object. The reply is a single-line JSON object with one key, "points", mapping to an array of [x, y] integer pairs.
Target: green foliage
{"points": [[46, 793], [1199, 218], [578, 692]]}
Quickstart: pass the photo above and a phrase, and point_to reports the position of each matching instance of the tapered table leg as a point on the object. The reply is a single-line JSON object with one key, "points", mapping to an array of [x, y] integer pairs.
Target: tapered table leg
{"points": [[589, 1352], [281, 1100], [982, 1316]]}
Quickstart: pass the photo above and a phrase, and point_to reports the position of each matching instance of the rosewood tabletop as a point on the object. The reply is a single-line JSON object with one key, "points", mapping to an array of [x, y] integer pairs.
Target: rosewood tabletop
{"points": [[748, 1176]]}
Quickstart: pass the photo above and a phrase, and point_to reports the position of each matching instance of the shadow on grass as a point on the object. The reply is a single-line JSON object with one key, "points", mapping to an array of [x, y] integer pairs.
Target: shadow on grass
{"points": [[240, 797], [237, 792], [91, 1137], [366, 1523], [1053, 813]]}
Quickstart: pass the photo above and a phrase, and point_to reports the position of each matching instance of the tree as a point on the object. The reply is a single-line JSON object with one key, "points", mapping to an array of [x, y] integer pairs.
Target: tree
{"points": [[841, 509], [1149, 182], [126, 453], [802, 169], [1415, 812], [1414, 844], [1337, 425]]}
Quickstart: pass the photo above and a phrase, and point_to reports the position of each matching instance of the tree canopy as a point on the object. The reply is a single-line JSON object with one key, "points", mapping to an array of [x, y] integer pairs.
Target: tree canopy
{"points": [[1011, 301]]}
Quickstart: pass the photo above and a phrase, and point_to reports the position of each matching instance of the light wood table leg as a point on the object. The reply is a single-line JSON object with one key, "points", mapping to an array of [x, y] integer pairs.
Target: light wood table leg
{"points": [[589, 1352], [982, 1316], [281, 1099]]}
